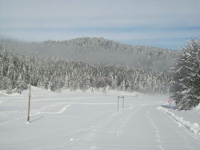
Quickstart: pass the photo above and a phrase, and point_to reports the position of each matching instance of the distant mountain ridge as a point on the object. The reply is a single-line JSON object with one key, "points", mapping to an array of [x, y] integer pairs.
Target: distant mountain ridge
{"points": [[98, 51]]}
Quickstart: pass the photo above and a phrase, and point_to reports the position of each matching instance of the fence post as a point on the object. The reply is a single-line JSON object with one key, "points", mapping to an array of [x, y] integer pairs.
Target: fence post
{"points": [[118, 104], [123, 103]]}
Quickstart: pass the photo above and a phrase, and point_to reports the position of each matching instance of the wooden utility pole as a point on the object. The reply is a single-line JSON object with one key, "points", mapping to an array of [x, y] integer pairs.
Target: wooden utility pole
{"points": [[29, 100]]}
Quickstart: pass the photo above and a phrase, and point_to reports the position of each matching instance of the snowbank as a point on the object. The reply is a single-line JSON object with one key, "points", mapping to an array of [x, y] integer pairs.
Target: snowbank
{"points": [[195, 128], [96, 92], [4, 92]]}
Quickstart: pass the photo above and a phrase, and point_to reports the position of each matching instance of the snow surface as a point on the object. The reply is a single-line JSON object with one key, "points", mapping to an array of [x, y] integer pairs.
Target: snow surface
{"points": [[75, 120], [180, 121]]}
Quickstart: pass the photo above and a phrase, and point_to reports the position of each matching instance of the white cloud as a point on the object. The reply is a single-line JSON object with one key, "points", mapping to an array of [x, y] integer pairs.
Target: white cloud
{"points": [[19, 17], [100, 12]]}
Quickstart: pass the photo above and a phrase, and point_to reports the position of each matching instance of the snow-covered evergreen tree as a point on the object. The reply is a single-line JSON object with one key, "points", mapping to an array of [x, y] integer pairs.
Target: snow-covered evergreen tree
{"points": [[56, 74], [185, 85]]}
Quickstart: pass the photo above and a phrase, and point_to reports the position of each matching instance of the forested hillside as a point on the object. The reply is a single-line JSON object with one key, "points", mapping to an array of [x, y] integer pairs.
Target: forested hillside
{"points": [[55, 74], [98, 51]]}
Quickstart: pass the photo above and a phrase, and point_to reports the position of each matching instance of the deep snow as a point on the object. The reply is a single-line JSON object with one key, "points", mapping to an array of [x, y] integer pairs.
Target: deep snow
{"points": [[90, 121]]}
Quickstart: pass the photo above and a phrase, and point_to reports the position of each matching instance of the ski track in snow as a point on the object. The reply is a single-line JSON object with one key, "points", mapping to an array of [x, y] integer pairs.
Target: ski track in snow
{"points": [[12, 112], [178, 132], [41, 110], [34, 111], [156, 130], [38, 111], [6, 122], [111, 123], [99, 125], [55, 99], [187, 144], [119, 126], [179, 120], [62, 110]]}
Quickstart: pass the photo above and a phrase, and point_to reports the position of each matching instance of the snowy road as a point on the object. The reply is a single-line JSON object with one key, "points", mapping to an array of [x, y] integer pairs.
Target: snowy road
{"points": [[90, 122]]}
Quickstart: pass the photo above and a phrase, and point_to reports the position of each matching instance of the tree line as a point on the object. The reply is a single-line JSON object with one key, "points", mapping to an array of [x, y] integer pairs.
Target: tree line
{"points": [[57, 74]]}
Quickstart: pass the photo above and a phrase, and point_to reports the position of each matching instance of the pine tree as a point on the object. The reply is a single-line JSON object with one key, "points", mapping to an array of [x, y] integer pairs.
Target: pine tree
{"points": [[185, 85]]}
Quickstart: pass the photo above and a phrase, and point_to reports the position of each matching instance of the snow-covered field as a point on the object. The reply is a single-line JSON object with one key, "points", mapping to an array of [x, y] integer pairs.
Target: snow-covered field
{"points": [[91, 121]]}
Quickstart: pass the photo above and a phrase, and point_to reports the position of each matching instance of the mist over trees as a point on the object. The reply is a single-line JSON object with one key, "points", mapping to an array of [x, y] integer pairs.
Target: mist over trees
{"points": [[185, 88], [56, 74], [98, 51]]}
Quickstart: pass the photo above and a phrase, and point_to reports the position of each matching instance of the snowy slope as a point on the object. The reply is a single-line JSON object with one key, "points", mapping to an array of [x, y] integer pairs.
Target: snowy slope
{"points": [[91, 121]]}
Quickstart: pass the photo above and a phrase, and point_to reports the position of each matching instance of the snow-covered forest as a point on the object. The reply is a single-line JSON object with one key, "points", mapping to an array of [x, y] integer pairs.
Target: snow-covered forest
{"points": [[56, 74], [83, 65]]}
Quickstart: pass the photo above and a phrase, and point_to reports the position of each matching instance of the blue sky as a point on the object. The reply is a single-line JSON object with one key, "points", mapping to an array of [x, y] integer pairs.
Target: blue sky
{"points": [[162, 23]]}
